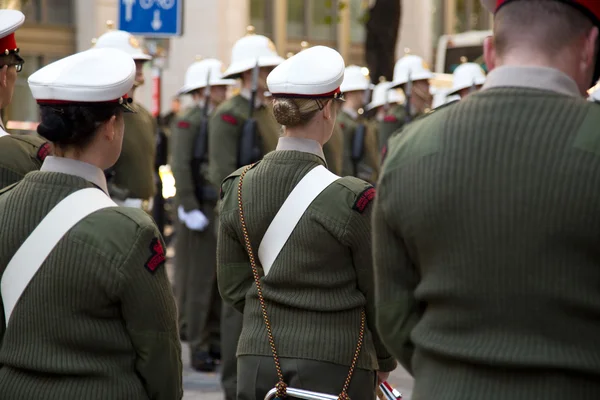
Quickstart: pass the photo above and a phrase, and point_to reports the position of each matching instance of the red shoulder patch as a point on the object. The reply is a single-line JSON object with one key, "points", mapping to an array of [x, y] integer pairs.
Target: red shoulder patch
{"points": [[230, 119], [43, 151], [342, 125], [157, 255], [183, 124], [390, 118], [364, 199]]}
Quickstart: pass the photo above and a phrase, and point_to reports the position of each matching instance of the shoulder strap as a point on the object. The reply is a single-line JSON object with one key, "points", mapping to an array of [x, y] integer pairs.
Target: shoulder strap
{"points": [[33, 252], [288, 216]]}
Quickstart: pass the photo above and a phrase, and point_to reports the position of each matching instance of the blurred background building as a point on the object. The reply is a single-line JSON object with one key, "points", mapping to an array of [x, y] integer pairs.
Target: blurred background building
{"points": [[56, 28]]}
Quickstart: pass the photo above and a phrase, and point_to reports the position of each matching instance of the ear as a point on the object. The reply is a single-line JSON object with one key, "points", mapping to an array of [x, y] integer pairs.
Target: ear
{"points": [[110, 128], [328, 110], [589, 50], [489, 53]]}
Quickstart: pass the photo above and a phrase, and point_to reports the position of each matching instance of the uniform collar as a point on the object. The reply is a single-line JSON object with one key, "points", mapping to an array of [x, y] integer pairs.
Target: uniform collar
{"points": [[3, 129], [542, 78], [81, 169], [247, 94], [352, 113], [301, 144]]}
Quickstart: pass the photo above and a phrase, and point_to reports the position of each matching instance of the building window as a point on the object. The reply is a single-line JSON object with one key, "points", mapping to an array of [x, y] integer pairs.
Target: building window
{"points": [[358, 13], [470, 15], [261, 16], [312, 20], [296, 18], [51, 12]]}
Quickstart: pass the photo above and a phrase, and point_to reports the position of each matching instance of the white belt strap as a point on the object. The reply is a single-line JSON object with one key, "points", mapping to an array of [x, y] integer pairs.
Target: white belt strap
{"points": [[40, 243], [298, 201]]}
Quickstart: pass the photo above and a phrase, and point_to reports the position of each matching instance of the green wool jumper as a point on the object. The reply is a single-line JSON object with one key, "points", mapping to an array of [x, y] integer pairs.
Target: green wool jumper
{"points": [[98, 320], [323, 276], [487, 248]]}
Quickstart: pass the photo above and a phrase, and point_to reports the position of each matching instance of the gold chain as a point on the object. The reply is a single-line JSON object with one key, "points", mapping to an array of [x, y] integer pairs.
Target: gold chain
{"points": [[281, 386]]}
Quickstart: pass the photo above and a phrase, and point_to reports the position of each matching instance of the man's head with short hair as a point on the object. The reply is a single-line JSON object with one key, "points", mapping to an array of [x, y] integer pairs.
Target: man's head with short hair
{"points": [[544, 33]]}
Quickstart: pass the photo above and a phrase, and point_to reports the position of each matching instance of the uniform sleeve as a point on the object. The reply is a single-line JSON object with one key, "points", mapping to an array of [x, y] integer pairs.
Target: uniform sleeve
{"points": [[183, 138], [395, 283], [223, 142], [148, 308], [358, 233], [234, 273]]}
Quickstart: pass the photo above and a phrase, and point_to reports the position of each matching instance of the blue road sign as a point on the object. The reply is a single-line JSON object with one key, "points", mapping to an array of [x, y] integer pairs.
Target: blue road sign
{"points": [[158, 18]]}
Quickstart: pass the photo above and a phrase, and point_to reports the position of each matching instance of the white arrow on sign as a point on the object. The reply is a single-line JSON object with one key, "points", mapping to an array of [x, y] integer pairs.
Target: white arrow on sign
{"points": [[128, 9], [156, 22]]}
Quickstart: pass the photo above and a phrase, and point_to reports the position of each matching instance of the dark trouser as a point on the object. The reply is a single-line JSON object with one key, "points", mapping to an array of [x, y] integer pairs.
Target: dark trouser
{"points": [[257, 375], [231, 328], [198, 296]]}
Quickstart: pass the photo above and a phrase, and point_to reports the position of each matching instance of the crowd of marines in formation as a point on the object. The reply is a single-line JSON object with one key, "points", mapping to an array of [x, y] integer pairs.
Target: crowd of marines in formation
{"points": [[475, 185]]}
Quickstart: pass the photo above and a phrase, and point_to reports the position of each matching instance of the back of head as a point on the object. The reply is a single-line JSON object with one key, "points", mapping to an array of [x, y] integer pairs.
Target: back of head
{"points": [[543, 27], [73, 125], [304, 84], [78, 93]]}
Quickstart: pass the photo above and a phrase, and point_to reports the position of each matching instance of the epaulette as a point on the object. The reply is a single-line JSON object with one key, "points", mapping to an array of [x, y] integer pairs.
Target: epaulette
{"points": [[8, 188], [364, 192], [234, 174]]}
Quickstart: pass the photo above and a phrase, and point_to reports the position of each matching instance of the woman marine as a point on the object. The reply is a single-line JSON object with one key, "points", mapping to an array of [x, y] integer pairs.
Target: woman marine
{"points": [[310, 304], [97, 320]]}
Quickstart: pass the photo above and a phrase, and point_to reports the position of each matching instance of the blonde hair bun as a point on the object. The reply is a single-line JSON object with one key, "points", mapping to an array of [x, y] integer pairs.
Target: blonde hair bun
{"points": [[287, 112]]}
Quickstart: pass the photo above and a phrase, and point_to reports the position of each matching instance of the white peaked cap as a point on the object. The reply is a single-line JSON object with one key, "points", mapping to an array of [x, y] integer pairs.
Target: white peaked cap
{"points": [[197, 77], [314, 72], [410, 67], [250, 50], [123, 41], [10, 21], [355, 78], [384, 93], [90, 77], [467, 75]]}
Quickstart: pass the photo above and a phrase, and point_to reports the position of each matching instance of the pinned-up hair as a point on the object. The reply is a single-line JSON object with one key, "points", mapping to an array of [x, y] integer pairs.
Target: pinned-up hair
{"points": [[296, 111], [74, 125]]}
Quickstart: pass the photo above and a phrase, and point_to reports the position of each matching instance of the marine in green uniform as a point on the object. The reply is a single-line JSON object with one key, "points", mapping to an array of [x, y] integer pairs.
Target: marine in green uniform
{"points": [[356, 83], [225, 132], [97, 320], [387, 110], [412, 75], [314, 311], [132, 179], [467, 79], [198, 299], [19, 153], [486, 221]]}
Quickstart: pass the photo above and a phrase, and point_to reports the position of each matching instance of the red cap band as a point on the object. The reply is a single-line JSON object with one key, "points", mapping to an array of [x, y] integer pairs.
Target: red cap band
{"points": [[308, 96], [8, 43], [121, 100]]}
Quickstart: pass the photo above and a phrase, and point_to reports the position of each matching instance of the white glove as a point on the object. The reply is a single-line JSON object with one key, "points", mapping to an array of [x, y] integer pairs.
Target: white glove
{"points": [[194, 220]]}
